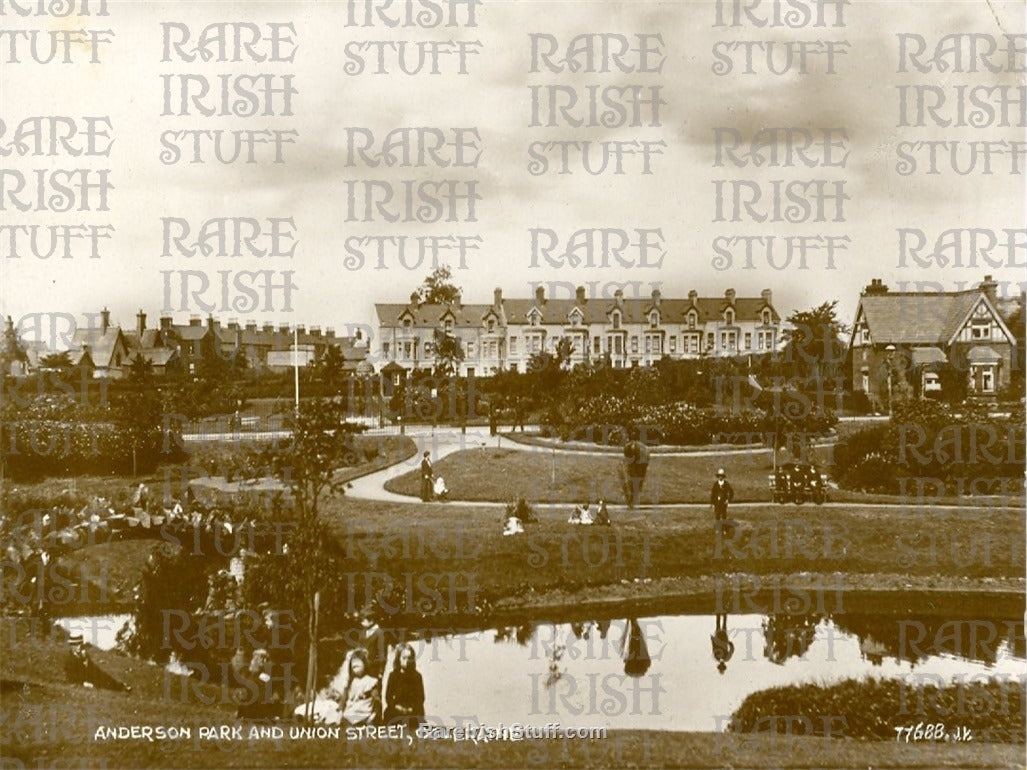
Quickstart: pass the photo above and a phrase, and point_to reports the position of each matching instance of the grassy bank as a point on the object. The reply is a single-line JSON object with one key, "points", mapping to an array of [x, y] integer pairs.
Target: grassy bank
{"points": [[500, 474]]}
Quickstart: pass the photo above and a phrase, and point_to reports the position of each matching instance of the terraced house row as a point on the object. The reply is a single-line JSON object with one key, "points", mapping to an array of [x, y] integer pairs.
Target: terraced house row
{"points": [[629, 331]]}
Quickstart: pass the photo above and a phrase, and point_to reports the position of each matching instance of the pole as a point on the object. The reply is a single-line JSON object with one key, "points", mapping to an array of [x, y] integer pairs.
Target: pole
{"points": [[296, 368], [308, 712]]}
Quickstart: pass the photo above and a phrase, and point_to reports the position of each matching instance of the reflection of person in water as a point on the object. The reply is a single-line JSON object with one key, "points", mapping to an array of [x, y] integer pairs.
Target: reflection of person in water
{"points": [[723, 647], [634, 650], [404, 696]]}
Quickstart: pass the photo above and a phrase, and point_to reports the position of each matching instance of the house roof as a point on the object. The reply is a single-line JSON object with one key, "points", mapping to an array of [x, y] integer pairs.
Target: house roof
{"points": [[102, 344], [912, 318], [557, 311]]}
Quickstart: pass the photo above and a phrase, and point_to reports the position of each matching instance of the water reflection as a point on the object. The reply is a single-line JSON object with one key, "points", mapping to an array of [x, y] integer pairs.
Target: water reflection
{"points": [[618, 672]]}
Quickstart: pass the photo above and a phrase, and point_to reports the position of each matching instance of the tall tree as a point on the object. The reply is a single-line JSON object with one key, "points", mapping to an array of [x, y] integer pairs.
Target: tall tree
{"points": [[814, 345], [448, 354], [330, 368], [438, 288]]}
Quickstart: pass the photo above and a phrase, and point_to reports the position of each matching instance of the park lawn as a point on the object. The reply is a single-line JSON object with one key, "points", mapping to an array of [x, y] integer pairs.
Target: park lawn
{"points": [[554, 557], [506, 474]]}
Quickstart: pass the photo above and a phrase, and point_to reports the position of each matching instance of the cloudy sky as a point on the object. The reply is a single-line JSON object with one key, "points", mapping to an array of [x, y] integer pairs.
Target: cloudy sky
{"points": [[494, 98]]}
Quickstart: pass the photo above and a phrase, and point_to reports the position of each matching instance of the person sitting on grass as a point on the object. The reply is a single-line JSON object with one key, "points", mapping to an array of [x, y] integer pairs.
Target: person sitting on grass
{"points": [[82, 669], [404, 696], [578, 515], [361, 699], [513, 525], [602, 516]]}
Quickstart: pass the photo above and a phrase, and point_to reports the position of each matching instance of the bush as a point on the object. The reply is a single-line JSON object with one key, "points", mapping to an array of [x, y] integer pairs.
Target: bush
{"points": [[873, 708]]}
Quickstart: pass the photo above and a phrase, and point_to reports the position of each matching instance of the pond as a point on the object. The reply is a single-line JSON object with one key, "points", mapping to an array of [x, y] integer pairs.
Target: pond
{"points": [[670, 672]]}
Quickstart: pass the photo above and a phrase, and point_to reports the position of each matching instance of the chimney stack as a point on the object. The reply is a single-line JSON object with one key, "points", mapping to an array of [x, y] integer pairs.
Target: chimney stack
{"points": [[497, 298], [140, 323], [540, 295], [105, 320], [268, 328], [233, 324], [990, 288], [730, 295], [194, 320], [165, 323], [656, 297], [458, 301], [618, 297], [415, 299], [876, 287], [768, 297], [579, 294], [251, 326]]}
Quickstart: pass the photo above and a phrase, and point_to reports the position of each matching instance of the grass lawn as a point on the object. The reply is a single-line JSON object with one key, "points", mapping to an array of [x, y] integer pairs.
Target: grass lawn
{"points": [[673, 543], [500, 474]]}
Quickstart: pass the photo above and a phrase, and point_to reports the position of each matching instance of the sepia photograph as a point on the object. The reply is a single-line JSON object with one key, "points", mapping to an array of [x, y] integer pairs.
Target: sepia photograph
{"points": [[513, 384]]}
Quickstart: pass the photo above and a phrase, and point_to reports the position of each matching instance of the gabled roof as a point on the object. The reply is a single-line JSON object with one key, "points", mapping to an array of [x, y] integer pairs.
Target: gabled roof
{"points": [[102, 344], [917, 318], [593, 311]]}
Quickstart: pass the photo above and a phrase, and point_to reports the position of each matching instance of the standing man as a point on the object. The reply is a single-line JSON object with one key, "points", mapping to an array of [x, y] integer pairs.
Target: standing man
{"points": [[721, 495], [636, 464], [426, 477]]}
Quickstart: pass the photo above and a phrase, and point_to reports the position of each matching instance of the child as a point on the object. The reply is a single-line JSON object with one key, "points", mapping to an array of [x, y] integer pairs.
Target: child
{"points": [[513, 526], [361, 698], [404, 697]]}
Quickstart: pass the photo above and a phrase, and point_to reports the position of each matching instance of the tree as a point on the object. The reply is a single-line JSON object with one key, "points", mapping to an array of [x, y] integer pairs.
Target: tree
{"points": [[330, 368], [814, 346], [448, 354], [140, 370], [58, 361], [438, 288], [318, 447]]}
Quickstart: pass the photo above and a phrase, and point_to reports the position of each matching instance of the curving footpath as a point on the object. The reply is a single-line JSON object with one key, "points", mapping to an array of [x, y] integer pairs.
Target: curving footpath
{"points": [[444, 442]]}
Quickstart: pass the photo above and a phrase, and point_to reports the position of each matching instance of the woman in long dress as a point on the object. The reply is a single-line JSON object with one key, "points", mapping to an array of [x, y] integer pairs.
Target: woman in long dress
{"points": [[404, 696]]}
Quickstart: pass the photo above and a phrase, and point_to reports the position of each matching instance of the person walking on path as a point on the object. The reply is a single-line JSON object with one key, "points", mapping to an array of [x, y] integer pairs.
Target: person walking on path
{"points": [[427, 475], [721, 496], [636, 464]]}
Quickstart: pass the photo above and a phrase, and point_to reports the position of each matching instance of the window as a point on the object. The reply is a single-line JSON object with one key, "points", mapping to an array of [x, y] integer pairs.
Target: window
{"points": [[654, 319], [931, 382], [634, 344], [533, 319], [615, 344], [575, 320], [470, 348], [449, 326], [616, 320], [491, 325], [693, 343], [408, 350], [674, 343], [987, 379], [729, 316], [709, 340], [691, 320], [980, 329], [865, 335], [865, 381], [766, 318], [748, 341], [407, 323], [385, 349], [513, 346], [597, 345]]}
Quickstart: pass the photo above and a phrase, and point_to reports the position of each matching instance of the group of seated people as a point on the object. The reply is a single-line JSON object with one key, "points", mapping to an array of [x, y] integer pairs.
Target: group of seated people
{"points": [[586, 514], [355, 698]]}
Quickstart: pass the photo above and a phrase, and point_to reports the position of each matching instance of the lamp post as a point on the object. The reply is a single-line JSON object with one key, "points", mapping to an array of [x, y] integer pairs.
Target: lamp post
{"points": [[890, 350]]}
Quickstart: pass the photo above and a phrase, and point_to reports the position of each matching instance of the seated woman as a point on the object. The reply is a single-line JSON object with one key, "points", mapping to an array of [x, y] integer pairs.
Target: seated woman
{"points": [[513, 526], [404, 696], [602, 516], [361, 698], [575, 517]]}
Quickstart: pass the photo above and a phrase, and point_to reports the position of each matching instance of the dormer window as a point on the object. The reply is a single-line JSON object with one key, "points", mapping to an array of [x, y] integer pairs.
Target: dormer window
{"points": [[729, 316], [575, 320], [691, 320], [533, 319], [407, 323], [448, 325], [490, 325], [654, 319], [766, 318], [616, 320]]}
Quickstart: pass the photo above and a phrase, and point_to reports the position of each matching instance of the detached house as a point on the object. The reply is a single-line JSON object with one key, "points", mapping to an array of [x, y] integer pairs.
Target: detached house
{"points": [[919, 332], [628, 332]]}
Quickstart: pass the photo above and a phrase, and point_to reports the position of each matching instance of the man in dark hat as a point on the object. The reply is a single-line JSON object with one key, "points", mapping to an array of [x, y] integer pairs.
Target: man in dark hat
{"points": [[81, 669], [721, 495], [427, 475]]}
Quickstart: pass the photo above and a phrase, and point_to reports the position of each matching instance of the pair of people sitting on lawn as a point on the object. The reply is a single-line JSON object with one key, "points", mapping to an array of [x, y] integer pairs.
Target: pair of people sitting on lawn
{"points": [[584, 514]]}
